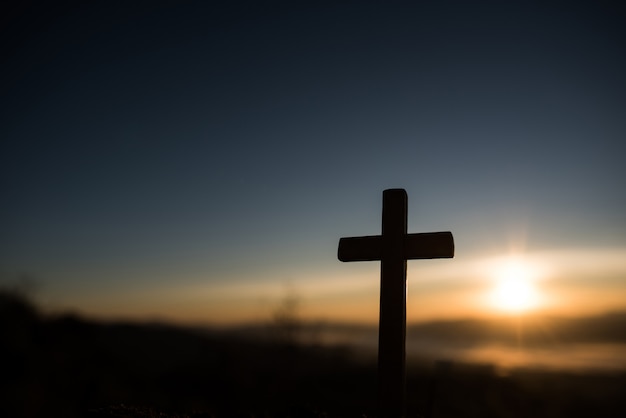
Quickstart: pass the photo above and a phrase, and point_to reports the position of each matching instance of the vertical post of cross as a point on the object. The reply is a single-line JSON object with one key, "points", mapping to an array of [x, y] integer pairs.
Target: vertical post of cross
{"points": [[392, 329]]}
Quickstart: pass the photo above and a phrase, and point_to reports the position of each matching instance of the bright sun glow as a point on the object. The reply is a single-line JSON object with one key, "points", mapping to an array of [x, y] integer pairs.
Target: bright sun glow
{"points": [[514, 289]]}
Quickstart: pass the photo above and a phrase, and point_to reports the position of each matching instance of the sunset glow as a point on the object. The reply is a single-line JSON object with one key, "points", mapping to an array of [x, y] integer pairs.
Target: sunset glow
{"points": [[514, 295], [514, 289]]}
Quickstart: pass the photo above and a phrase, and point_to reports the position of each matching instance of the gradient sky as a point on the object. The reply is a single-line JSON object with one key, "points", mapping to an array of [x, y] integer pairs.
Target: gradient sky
{"points": [[196, 162]]}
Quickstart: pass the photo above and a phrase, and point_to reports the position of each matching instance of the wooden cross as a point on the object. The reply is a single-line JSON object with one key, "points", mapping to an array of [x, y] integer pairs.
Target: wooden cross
{"points": [[393, 247]]}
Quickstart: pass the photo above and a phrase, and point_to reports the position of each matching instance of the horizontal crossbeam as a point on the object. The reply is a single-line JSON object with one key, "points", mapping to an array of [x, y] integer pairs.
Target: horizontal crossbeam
{"points": [[424, 245]]}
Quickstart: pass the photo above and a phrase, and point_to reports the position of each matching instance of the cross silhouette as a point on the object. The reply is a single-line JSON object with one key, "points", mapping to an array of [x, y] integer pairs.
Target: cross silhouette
{"points": [[393, 248]]}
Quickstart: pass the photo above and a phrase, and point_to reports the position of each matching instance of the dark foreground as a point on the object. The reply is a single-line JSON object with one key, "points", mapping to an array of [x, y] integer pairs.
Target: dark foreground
{"points": [[68, 367]]}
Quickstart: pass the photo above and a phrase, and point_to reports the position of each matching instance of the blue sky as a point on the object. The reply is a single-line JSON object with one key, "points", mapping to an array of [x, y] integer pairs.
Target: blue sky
{"points": [[176, 147]]}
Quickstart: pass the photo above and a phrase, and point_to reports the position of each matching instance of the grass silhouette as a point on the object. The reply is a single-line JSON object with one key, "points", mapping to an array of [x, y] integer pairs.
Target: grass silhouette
{"points": [[66, 366]]}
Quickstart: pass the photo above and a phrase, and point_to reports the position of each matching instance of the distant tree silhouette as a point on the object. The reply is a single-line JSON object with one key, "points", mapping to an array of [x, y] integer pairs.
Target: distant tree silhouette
{"points": [[286, 322]]}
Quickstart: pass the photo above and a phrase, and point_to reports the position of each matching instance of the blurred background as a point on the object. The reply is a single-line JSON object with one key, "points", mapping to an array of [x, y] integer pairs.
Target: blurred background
{"points": [[194, 164]]}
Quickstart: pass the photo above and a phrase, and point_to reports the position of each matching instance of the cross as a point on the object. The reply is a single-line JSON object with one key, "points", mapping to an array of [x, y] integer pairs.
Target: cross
{"points": [[393, 248]]}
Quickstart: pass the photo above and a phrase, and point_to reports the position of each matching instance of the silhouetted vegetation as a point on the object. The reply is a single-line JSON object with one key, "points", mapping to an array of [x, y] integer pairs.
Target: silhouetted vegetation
{"points": [[66, 366]]}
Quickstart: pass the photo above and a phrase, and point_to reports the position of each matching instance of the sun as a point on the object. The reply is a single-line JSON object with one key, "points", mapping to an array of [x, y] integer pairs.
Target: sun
{"points": [[514, 290]]}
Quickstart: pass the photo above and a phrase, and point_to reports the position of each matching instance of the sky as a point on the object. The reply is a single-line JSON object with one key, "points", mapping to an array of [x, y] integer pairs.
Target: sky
{"points": [[197, 162]]}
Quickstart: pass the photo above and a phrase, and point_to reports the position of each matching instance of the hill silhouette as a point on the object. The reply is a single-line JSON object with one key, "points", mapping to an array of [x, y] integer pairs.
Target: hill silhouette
{"points": [[67, 366]]}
